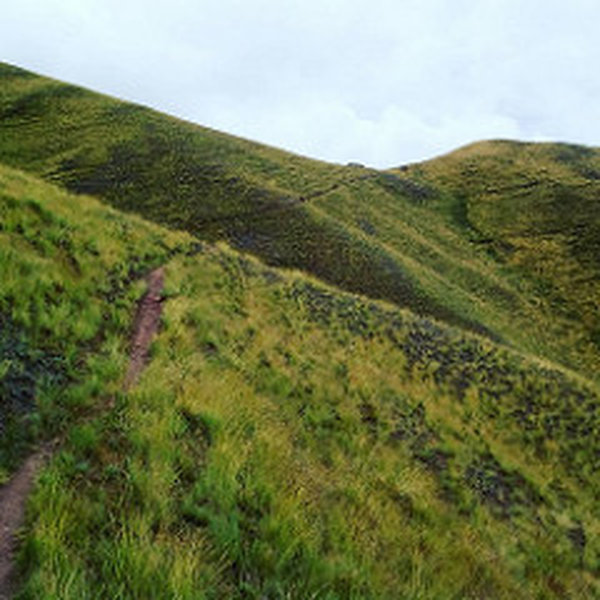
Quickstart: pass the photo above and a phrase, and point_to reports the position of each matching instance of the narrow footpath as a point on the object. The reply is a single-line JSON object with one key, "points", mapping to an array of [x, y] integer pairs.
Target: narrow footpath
{"points": [[14, 494]]}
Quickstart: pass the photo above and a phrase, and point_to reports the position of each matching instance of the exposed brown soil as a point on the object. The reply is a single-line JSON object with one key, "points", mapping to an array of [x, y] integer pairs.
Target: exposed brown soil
{"points": [[145, 326], [13, 495], [12, 514]]}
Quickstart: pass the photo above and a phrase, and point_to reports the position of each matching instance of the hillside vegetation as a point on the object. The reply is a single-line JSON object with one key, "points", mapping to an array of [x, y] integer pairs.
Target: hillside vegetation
{"points": [[363, 230], [412, 411], [69, 269], [535, 209]]}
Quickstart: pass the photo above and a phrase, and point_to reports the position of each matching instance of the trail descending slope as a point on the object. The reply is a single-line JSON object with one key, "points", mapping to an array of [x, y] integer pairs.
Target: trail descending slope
{"points": [[13, 496], [289, 440], [12, 512]]}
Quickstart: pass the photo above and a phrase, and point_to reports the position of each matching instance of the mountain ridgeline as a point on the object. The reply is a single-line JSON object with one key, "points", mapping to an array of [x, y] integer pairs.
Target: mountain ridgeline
{"points": [[366, 384], [500, 238]]}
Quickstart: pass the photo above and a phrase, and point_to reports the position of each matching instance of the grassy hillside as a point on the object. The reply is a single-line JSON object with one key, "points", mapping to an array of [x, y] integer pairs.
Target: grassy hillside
{"points": [[69, 269], [364, 231], [292, 441], [287, 439], [534, 209], [436, 437], [213, 185]]}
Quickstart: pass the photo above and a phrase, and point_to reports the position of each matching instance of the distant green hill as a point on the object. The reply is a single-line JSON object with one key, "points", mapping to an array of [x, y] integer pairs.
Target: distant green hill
{"points": [[412, 411], [535, 209]]}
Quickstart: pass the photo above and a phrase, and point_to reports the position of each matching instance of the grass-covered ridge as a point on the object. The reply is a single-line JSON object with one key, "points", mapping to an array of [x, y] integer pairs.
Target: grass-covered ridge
{"points": [[427, 429], [188, 177], [535, 209]]}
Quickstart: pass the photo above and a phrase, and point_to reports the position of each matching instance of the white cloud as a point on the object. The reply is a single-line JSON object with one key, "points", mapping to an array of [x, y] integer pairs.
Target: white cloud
{"points": [[380, 81]]}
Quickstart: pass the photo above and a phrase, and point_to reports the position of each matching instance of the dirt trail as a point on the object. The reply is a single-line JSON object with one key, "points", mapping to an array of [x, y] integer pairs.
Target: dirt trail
{"points": [[145, 326], [13, 495], [12, 513]]}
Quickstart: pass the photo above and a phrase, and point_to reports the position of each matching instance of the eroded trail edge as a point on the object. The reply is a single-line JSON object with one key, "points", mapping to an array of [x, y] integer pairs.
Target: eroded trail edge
{"points": [[14, 494]]}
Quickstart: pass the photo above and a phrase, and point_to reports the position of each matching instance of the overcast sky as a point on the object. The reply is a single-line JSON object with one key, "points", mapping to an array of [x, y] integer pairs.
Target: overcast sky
{"points": [[383, 82]]}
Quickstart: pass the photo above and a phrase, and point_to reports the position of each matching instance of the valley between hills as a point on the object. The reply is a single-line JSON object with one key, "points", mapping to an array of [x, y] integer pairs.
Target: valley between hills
{"points": [[363, 384]]}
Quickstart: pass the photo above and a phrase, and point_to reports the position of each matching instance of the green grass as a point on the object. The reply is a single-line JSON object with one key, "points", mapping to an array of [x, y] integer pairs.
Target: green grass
{"points": [[426, 429], [290, 441], [535, 210], [69, 269], [430, 237]]}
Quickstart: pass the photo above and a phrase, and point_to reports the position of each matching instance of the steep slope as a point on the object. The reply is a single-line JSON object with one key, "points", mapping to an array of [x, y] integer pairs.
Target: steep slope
{"points": [[188, 177], [398, 235], [287, 440], [213, 185], [68, 267]]}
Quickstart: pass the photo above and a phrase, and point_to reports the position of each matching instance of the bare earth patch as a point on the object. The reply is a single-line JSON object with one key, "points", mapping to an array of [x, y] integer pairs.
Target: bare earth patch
{"points": [[145, 326], [12, 512]]}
